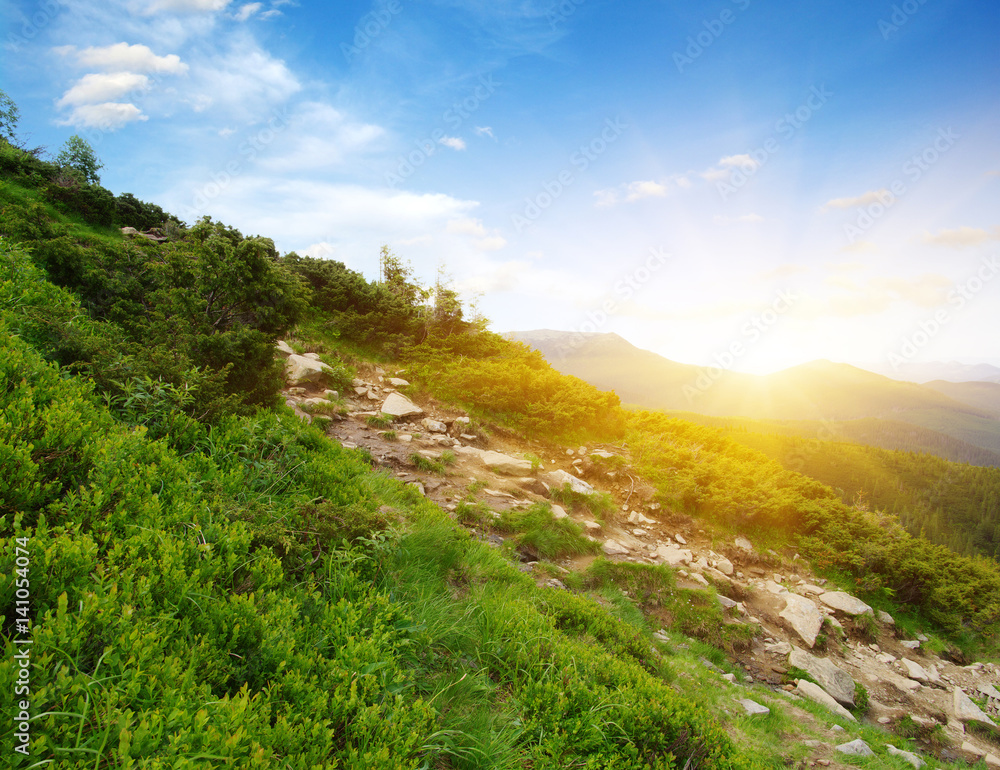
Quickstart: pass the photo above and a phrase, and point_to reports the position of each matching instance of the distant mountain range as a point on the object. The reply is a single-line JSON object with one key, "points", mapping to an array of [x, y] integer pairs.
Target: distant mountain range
{"points": [[951, 371], [968, 412]]}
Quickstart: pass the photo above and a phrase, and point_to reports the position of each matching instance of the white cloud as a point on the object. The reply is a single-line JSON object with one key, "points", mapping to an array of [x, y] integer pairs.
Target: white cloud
{"points": [[317, 137], [321, 250], [644, 189], [744, 162], [485, 240], [107, 116], [485, 131], [452, 141], [97, 88], [248, 10], [188, 6], [122, 57], [630, 192], [962, 237], [244, 84], [860, 200]]}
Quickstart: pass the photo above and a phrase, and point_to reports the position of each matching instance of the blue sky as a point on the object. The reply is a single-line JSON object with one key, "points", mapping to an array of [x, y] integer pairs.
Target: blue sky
{"points": [[736, 182]]}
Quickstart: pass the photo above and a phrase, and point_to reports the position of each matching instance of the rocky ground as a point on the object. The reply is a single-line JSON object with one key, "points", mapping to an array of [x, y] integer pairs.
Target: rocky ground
{"points": [[799, 620]]}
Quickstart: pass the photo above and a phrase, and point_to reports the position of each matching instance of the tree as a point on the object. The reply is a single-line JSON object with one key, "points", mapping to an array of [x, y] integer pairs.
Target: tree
{"points": [[78, 155], [9, 116]]}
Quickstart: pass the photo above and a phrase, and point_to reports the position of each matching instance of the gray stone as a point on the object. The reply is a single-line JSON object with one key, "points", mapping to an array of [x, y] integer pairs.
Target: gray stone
{"points": [[673, 556], [753, 708], [967, 711], [915, 671], [778, 648], [843, 602], [559, 478], [680, 539], [434, 426], [908, 756], [910, 644], [614, 548], [637, 518], [743, 544], [696, 578], [886, 618], [837, 682], [856, 748], [989, 691], [398, 382], [558, 512], [399, 405], [724, 566], [802, 616], [816, 693], [726, 602], [283, 349], [300, 369]]}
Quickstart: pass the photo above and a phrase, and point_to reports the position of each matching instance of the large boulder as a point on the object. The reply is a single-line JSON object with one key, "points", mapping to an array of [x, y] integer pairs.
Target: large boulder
{"points": [[837, 682], [802, 616], [843, 602], [967, 711], [283, 349], [560, 478], [505, 464], [398, 405], [673, 556], [816, 693], [300, 370]]}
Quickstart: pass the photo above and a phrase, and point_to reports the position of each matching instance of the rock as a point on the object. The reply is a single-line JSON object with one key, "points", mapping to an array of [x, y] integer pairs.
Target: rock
{"points": [[885, 658], [591, 526], [910, 644], [313, 356], [130, 231], [856, 748], [696, 578], [837, 682], [399, 405], [637, 518], [673, 556], [743, 544], [398, 382], [434, 426], [971, 748], [886, 618], [808, 588], [558, 512], [724, 566], [680, 539], [992, 760], [726, 602], [300, 369], [731, 678], [803, 617], [771, 587], [283, 349], [614, 548], [989, 691], [915, 670], [967, 711], [505, 464], [908, 756], [816, 693], [778, 648], [559, 478], [845, 603], [753, 708]]}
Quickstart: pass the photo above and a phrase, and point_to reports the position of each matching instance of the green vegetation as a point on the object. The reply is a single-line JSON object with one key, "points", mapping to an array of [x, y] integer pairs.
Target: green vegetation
{"points": [[213, 582]]}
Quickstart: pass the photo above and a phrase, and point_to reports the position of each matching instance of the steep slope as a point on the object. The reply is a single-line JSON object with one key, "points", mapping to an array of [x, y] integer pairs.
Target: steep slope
{"points": [[982, 395]]}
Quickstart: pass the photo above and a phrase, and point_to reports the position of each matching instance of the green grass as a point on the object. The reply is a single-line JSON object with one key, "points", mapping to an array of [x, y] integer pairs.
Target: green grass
{"points": [[546, 537]]}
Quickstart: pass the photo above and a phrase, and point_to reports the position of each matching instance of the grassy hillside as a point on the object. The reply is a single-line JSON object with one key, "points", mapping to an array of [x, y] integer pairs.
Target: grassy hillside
{"points": [[212, 582]]}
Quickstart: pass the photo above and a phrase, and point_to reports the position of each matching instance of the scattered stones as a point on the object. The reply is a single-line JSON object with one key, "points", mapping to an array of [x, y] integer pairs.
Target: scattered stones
{"points": [[816, 693], [753, 708], [908, 756], [398, 405], [837, 682], [914, 670], [856, 748], [967, 711], [845, 603], [803, 617], [559, 478], [434, 426], [614, 548]]}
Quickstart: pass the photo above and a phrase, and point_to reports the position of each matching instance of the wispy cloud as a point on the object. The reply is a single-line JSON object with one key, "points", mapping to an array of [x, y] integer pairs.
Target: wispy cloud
{"points": [[456, 143], [246, 11], [630, 192], [859, 200], [962, 237], [485, 131]]}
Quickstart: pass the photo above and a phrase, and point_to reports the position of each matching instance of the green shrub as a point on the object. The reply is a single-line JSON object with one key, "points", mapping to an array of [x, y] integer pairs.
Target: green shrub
{"points": [[543, 535]]}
